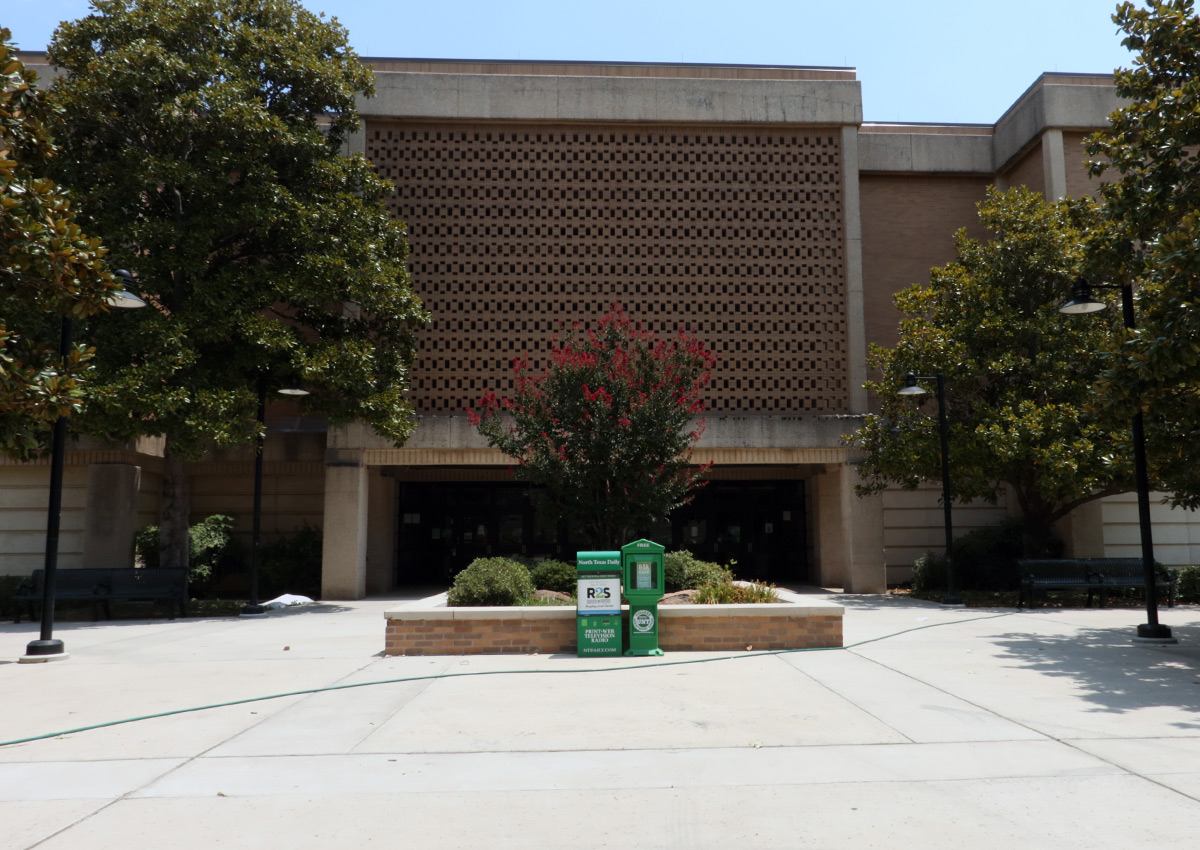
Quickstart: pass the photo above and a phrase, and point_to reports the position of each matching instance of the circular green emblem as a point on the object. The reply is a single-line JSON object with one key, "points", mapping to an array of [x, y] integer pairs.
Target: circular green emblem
{"points": [[643, 621]]}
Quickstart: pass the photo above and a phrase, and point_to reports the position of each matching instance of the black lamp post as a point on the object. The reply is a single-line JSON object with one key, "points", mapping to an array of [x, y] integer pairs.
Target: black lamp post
{"points": [[252, 607], [47, 647], [912, 388], [1082, 302]]}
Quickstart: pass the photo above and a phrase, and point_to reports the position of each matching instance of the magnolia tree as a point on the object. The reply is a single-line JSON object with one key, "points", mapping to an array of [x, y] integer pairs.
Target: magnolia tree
{"points": [[1152, 202], [204, 142], [605, 431], [1019, 376], [49, 269]]}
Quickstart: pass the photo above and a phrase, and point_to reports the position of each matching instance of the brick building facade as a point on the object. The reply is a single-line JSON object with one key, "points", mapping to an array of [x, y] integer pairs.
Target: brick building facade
{"points": [[750, 204]]}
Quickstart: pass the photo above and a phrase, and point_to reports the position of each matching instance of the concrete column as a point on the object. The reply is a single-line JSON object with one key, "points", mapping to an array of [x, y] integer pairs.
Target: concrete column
{"points": [[856, 332], [344, 554], [828, 556], [356, 142], [111, 516], [1054, 165], [1083, 531], [381, 532], [849, 532]]}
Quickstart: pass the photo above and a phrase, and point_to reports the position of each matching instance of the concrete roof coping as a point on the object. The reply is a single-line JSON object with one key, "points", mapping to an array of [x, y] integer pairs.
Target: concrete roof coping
{"points": [[909, 127], [551, 67], [471, 96]]}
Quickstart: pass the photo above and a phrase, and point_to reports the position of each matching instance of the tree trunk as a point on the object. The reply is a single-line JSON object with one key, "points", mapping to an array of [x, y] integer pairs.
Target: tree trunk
{"points": [[1037, 534], [174, 545]]}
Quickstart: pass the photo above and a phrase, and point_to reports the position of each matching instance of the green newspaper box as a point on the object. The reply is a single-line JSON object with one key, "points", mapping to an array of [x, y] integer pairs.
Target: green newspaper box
{"points": [[645, 579], [598, 603]]}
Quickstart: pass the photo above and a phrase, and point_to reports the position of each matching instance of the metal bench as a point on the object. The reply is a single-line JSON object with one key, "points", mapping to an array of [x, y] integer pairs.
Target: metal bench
{"points": [[82, 585], [1130, 572], [151, 584], [1090, 574], [101, 586], [1055, 574]]}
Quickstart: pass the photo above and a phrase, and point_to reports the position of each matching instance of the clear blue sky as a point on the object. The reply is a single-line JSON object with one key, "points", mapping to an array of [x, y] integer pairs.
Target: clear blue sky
{"points": [[918, 60]]}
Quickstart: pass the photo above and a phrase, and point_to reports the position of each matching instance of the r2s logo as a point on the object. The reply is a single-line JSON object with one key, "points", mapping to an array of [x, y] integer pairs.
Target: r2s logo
{"points": [[599, 593]]}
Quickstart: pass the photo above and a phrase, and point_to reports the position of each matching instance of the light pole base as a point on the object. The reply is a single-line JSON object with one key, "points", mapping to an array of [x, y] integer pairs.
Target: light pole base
{"points": [[1154, 633], [953, 600], [41, 651], [254, 611]]}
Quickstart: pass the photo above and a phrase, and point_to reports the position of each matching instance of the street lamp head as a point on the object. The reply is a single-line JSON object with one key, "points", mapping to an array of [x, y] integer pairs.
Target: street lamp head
{"points": [[293, 391], [911, 387], [124, 299], [1081, 300]]}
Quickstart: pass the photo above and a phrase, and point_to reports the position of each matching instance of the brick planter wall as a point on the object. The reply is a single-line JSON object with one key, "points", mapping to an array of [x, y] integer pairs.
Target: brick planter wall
{"points": [[476, 631]]}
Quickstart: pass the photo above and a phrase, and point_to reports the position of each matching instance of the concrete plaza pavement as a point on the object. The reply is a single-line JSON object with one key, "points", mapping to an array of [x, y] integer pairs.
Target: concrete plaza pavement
{"points": [[955, 728]]}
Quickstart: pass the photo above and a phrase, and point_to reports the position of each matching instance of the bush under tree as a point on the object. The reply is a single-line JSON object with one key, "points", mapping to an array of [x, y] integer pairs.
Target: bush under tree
{"points": [[211, 546]]}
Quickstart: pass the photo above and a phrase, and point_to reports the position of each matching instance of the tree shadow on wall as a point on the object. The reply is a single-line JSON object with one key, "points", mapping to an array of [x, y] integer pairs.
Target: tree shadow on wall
{"points": [[1113, 674]]}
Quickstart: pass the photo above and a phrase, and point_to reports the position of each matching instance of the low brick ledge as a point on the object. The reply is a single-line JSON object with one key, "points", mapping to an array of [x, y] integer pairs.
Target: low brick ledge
{"points": [[432, 628]]}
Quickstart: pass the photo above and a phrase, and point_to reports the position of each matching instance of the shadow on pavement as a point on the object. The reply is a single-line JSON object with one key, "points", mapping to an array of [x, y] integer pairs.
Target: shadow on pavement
{"points": [[1113, 674]]}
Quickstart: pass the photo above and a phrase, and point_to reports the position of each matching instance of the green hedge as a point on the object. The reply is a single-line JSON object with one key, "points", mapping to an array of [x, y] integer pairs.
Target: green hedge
{"points": [[491, 581], [984, 559], [684, 571], [211, 542], [554, 575]]}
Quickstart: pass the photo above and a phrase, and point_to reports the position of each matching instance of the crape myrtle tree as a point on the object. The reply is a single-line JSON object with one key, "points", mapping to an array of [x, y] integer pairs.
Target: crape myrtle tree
{"points": [[1019, 375], [604, 431], [49, 269], [1150, 157], [203, 140]]}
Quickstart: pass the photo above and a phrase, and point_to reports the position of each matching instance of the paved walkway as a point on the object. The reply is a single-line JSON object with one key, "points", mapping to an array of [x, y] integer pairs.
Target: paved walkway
{"points": [[990, 729]]}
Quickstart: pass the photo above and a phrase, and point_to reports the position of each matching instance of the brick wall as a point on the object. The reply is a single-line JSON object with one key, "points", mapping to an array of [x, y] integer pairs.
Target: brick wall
{"points": [[1076, 156], [735, 233], [1029, 171], [499, 631], [908, 225], [293, 492]]}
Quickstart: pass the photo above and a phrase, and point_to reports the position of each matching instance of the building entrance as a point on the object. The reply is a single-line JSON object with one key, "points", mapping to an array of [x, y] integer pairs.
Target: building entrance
{"points": [[443, 526], [759, 524]]}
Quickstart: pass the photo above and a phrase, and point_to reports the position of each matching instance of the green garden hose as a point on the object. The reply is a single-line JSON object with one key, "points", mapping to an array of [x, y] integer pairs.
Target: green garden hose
{"points": [[622, 668]]}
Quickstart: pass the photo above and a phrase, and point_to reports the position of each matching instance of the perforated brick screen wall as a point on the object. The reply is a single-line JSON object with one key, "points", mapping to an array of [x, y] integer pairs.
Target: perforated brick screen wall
{"points": [[735, 234]]}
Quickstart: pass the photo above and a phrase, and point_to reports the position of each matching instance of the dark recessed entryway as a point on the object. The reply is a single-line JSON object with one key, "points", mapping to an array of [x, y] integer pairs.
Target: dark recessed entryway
{"points": [[443, 526]]}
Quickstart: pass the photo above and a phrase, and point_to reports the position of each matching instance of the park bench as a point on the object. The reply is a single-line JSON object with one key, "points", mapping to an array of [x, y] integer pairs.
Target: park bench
{"points": [[1095, 575], [1130, 572], [101, 586]]}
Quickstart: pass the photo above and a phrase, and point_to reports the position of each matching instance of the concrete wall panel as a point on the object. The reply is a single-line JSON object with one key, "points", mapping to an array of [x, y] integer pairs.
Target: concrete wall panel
{"points": [[516, 97]]}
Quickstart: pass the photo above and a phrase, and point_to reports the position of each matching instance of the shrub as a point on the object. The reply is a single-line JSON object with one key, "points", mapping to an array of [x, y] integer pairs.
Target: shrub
{"points": [[211, 543], [292, 564], [1187, 584], [736, 594], [929, 573], [8, 589], [984, 559], [684, 571], [554, 575], [491, 581]]}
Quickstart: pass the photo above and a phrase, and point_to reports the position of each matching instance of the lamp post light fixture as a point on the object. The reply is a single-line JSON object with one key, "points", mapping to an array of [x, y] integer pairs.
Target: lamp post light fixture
{"points": [[252, 607], [913, 388], [47, 647], [1082, 303]]}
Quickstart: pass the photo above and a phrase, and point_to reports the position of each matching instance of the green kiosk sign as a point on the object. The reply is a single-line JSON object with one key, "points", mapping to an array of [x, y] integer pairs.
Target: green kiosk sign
{"points": [[598, 605], [643, 570]]}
